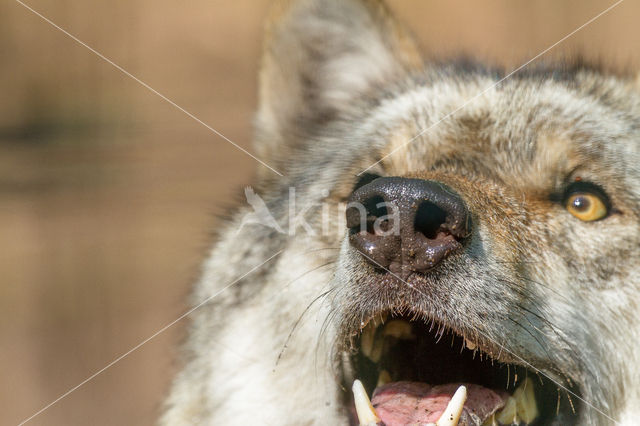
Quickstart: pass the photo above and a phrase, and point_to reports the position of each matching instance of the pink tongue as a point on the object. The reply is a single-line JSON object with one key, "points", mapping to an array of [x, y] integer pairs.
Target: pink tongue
{"points": [[404, 403]]}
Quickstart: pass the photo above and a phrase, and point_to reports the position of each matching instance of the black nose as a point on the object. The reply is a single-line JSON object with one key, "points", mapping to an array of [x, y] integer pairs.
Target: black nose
{"points": [[406, 224]]}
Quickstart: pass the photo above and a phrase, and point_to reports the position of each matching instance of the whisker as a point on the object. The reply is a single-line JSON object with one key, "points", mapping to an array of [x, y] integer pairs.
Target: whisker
{"points": [[320, 249], [295, 325], [331, 262]]}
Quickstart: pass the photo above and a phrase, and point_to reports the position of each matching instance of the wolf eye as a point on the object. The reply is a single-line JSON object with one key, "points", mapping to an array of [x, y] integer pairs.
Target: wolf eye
{"points": [[586, 202], [586, 207]]}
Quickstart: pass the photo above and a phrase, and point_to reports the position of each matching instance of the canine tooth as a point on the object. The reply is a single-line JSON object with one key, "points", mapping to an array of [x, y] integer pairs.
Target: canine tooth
{"points": [[378, 348], [372, 347], [383, 378], [470, 344], [508, 414], [399, 329], [367, 415], [452, 413], [526, 405], [367, 341]]}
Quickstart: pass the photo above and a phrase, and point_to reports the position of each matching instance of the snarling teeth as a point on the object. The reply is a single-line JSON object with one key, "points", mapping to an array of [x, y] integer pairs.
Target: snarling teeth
{"points": [[366, 413], [526, 406], [419, 377], [519, 407], [376, 337], [507, 415], [383, 378], [452, 413]]}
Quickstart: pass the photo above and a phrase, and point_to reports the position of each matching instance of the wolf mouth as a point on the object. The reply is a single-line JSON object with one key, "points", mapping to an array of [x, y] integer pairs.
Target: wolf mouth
{"points": [[414, 367]]}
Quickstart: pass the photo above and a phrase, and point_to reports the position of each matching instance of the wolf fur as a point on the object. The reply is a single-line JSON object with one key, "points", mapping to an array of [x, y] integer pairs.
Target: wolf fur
{"points": [[343, 84]]}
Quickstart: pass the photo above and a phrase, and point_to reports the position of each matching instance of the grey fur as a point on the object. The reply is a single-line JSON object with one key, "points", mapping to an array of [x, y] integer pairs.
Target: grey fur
{"points": [[340, 88]]}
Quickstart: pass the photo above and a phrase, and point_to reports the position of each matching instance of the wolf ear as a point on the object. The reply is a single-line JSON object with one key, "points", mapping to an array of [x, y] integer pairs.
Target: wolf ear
{"points": [[319, 56]]}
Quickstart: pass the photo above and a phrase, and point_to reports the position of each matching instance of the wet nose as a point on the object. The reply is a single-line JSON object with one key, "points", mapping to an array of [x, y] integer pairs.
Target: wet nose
{"points": [[405, 224]]}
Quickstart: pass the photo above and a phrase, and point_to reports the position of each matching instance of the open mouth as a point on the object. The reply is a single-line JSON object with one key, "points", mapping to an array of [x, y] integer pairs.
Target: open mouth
{"points": [[419, 373]]}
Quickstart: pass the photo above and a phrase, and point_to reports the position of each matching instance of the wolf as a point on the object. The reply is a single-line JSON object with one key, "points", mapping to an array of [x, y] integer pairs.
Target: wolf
{"points": [[505, 277]]}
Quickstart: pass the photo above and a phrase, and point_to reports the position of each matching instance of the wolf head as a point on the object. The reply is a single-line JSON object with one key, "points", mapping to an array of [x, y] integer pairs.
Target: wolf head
{"points": [[516, 253]]}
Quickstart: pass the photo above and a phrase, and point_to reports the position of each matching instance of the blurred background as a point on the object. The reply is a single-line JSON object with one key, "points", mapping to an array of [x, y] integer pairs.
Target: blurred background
{"points": [[108, 194]]}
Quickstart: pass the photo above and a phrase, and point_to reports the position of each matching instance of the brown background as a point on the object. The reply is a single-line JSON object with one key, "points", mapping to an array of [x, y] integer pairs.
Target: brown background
{"points": [[108, 194]]}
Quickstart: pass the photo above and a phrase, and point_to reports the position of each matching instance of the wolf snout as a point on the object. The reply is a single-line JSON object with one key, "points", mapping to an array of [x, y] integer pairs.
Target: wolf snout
{"points": [[406, 224]]}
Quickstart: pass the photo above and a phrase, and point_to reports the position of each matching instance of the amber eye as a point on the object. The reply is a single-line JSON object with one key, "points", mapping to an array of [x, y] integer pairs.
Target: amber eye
{"points": [[585, 206]]}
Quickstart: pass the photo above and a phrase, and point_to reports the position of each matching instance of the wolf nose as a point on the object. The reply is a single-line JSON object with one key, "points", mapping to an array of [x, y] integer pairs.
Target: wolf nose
{"points": [[405, 224]]}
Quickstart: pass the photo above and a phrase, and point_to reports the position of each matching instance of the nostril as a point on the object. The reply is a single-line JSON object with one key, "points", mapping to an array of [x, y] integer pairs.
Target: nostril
{"points": [[371, 229], [375, 206], [429, 219], [361, 216]]}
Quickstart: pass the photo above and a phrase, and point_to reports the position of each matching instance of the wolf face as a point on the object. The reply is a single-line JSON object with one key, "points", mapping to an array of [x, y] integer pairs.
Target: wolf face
{"points": [[512, 269]]}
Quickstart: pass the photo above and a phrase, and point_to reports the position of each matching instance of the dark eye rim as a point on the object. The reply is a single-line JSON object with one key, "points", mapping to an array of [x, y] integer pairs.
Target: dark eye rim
{"points": [[585, 187]]}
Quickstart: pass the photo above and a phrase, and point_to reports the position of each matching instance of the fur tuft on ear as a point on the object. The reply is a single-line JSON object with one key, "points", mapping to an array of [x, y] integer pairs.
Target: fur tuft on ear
{"points": [[320, 56]]}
